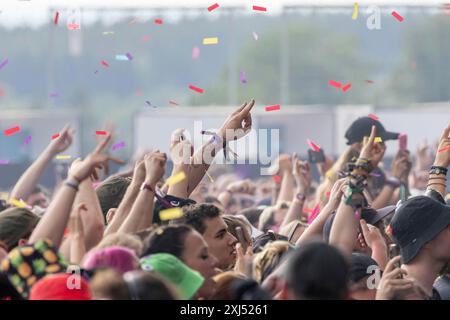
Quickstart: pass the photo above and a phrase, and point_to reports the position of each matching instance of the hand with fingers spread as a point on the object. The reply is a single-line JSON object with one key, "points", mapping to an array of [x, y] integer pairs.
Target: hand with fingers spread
{"points": [[392, 282], [181, 149], [239, 123], [61, 143], [336, 193], [155, 164], [302, 174], [424, 156], [94, 160]]}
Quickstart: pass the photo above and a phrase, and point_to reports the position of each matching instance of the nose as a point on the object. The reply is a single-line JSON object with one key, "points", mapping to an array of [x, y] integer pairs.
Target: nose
{"points": [[232, 240], [214, 261]]}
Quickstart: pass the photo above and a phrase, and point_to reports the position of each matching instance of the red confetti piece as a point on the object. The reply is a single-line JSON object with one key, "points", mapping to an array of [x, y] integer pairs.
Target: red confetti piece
{"points": [[258, 8], [335, 84], [277, 179], [11, 131], [314, 213], [105, 64], [397, 16], [346, 87], [56, 18], [100, 132], [369, 81], [199, 90], [55, 136], [444, 149], [158, 21], [313, 146], [273, 108], [372, 116], [327, 194], [174, 103], [73, 26], [212, 7], [307, 210]]}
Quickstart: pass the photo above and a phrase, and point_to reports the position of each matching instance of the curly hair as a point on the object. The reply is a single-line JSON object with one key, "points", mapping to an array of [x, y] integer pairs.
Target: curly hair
{"points": [[195, 215]]}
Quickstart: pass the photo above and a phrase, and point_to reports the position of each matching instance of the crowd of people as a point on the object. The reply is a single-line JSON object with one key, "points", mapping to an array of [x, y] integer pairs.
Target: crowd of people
{"points": [[362, 230]]}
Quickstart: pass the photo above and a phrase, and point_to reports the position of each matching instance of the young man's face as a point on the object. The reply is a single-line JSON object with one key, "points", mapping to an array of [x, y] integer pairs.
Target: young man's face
{"points": [[220, 242]]}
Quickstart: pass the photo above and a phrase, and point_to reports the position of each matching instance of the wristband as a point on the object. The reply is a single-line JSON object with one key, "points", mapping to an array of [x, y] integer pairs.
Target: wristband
{"points": [[438, 170], [73, 183], [146, 186], [393, 182], [300, 196]]}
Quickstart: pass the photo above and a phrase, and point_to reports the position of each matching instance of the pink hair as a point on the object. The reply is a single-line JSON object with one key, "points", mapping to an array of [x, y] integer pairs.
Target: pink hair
{"points": [[118, 258]]}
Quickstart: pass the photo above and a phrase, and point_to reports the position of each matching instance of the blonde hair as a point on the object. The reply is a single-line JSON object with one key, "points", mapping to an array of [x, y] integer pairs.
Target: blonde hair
{"points": [[268, 258], [267, 215], [124, 240], [109, 285]]}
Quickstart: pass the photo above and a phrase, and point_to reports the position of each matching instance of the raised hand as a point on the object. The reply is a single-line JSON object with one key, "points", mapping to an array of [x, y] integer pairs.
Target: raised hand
{"points": [[181, 149], [155, 164], [391, 282], [63, 142], [442, 158], [239, 123], [302, 174]]}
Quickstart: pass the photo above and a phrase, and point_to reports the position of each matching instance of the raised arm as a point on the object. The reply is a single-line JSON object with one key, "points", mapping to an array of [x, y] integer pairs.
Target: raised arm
{"points": [[302, 175], [437, 181], [55, 219], [181, 151], [236, 126], [141, 214], [29, 179]]}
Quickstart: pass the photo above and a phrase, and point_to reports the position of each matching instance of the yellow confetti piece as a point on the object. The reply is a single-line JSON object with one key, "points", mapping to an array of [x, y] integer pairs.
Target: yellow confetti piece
{"points": [[180, 176], [169, 214], [63, 157], [210, 41], [18, 203], [4, 195], [448, 196], [209, 177], [355, 12], [378, 139]]}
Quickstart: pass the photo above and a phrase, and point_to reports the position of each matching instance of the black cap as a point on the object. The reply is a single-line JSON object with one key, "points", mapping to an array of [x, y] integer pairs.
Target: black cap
{"points": [[417, 221], [362, 127], [359, 266], [169, 202]]}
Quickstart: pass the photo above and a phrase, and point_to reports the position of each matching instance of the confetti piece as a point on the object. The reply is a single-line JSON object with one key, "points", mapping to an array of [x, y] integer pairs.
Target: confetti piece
{"points": [[174, 103], [313, 146], [199, 90], [207, 41], [119, 145], [4, 63], [373, 174], [2, 161], [18, 203], [273, 108], [327, 194], [54, 95], [444, 149], [195, 53], [63, 157], [255, 36], [170, 214], [27, 140], [242, 77], [158, 21], [358, 214], [107, 33], [121, 57], [258, 8], [145, 38], [105, 64], [448, 196], [378, 139], [11, 131], [55, 136], [369, 81], [277, 179], [355, 12], [129, 56], [73, 26], [56, 18], [213, 7], [397, 16], [335, 84], [374, 117], [314, 213], [209, 177], [346, 87], [103, 133], [180, 176]]}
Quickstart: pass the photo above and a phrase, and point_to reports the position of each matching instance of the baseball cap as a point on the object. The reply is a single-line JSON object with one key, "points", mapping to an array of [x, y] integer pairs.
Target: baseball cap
{"points": [[169, 202], [417, 221], [359, 266], [362, 127], [174, 270]]}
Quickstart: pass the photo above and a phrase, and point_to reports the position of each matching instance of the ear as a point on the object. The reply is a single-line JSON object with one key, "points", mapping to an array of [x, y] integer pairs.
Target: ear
{"points": [[110, 215]]}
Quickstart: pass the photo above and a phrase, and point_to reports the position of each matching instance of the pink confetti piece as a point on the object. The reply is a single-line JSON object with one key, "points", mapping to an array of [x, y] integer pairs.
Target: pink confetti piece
{"points": [[373, 174], [255, 36], [444, 149], [243, 77], [55, 136], [213, 7], [195, 53], [11, 131], [199, 90], [3, 161], [119, 145], [313, 146], [369, 81], [258, 8], [272, 108], [158, 21], [105, 64], [372, 116], [129, 56], [174, 103], [277, 179], [346, 87], [358, 214], [55, 21], [4, 63], [397, 16], [327, 194], [315, 212], [73, 26], [103, 133], [335, 84]]}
